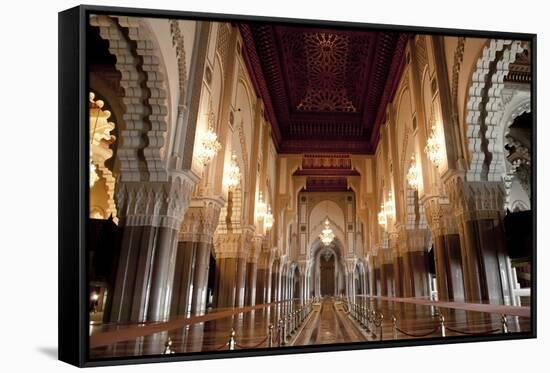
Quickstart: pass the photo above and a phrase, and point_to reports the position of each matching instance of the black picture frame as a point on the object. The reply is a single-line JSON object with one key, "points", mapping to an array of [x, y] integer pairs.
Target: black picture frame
{"points": [[73, 186]]}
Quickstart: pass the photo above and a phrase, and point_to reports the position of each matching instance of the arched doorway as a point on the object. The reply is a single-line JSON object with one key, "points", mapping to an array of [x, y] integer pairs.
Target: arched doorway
{"points": [[328, 273]]}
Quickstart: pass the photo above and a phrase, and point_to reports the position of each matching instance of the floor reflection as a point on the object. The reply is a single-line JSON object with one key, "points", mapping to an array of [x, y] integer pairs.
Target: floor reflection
{"points": [[329, 322]]}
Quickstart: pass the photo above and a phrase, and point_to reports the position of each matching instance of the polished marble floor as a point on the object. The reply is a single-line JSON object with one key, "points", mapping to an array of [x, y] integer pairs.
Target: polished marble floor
{"points": [[329, 322]]}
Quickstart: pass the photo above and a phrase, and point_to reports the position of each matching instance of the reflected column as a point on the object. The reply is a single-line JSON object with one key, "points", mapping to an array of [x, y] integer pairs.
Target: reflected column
{"points": [[193, 256], [478, 207], [231, 252], [446, 242]]}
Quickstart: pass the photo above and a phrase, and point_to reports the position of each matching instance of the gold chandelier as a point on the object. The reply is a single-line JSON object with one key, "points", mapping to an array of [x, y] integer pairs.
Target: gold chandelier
{"points": [[390, 205], [326, 236], [413, 175], [261, 207], [433, 147], [382, 218], [233, 177], [268, 219], [208, 147]]}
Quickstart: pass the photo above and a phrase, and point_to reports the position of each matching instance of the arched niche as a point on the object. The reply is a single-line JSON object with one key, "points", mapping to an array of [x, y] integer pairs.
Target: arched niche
{"points": [[323, 260], [102, 143], [323, 210]]}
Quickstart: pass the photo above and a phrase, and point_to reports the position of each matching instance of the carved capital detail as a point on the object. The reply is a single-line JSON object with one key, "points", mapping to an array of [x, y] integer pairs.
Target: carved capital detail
{"points": [[412, 240], [160, 204], [201, 220], [440, 217], [233, 244], [474, 200]]}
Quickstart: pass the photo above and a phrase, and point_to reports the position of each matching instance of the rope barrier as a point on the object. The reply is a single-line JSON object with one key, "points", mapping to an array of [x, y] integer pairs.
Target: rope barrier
{"points": [[251, 346], [435, 330], [222, 346], [473, 333]]}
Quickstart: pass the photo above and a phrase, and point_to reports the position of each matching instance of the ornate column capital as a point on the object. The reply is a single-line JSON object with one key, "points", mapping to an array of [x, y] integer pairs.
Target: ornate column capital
{"points": [[233, 244], [412, 239], [201, 220], [439, 216], [255, 248], [160, 204], [474, 200]]}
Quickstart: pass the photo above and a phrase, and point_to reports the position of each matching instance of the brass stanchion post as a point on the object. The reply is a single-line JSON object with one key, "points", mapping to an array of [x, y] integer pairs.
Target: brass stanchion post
{"points": [[168, 347], [270, 336], [231, 344], [504, 320], [394, 327], [442, 324]]}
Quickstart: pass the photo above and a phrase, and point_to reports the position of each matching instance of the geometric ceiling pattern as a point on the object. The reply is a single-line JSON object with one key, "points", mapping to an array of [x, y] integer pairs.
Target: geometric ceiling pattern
{"points": [[324, 89]]}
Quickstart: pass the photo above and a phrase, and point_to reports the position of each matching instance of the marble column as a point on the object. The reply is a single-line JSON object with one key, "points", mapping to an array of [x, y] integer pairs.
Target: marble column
{"points": [[231, 249], [478, 207], [397, 265], [262, 283], [377, 273], [149, 214], [446, 243], [193, 256], [252, 270], [415, 262], [386, 273]]}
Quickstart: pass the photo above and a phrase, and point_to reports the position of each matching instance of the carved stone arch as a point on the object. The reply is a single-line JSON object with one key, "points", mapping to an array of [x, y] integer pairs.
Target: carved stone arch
{"points": [[515, 106], [178, 42], [219, 64], [154, 71], [102, 149], [484, 109], [133, 126], [240, 128], [457, 64]]}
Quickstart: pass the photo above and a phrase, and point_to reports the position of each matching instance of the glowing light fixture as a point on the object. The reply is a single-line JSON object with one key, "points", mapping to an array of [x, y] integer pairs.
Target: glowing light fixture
{"points": [[413, 175], [233, 177], [390, 205], [327, 236], [433, 147], [382, 218], [268, 219], [261, 207], [208, 146]]}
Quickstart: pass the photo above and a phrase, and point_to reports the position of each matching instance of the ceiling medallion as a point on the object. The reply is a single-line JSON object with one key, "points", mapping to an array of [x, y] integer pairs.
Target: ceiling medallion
{"points": [[326, 56]]}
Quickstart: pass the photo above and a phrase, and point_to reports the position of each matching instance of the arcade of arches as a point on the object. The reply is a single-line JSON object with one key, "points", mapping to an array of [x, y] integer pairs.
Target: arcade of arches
{"points": [[286, 182]]}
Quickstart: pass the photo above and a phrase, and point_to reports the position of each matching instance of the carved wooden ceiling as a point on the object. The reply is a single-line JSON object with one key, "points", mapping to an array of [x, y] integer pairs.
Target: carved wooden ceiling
{"points": [[325, 90]]}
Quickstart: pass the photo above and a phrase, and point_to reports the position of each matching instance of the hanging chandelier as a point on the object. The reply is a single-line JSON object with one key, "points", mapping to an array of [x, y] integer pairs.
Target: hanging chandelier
{"points": [[261, 207], [433, 148], [326, 236], [390, 205], [382, 219], [413, 175], [268, 219], [208, 147], [233, 177]]}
